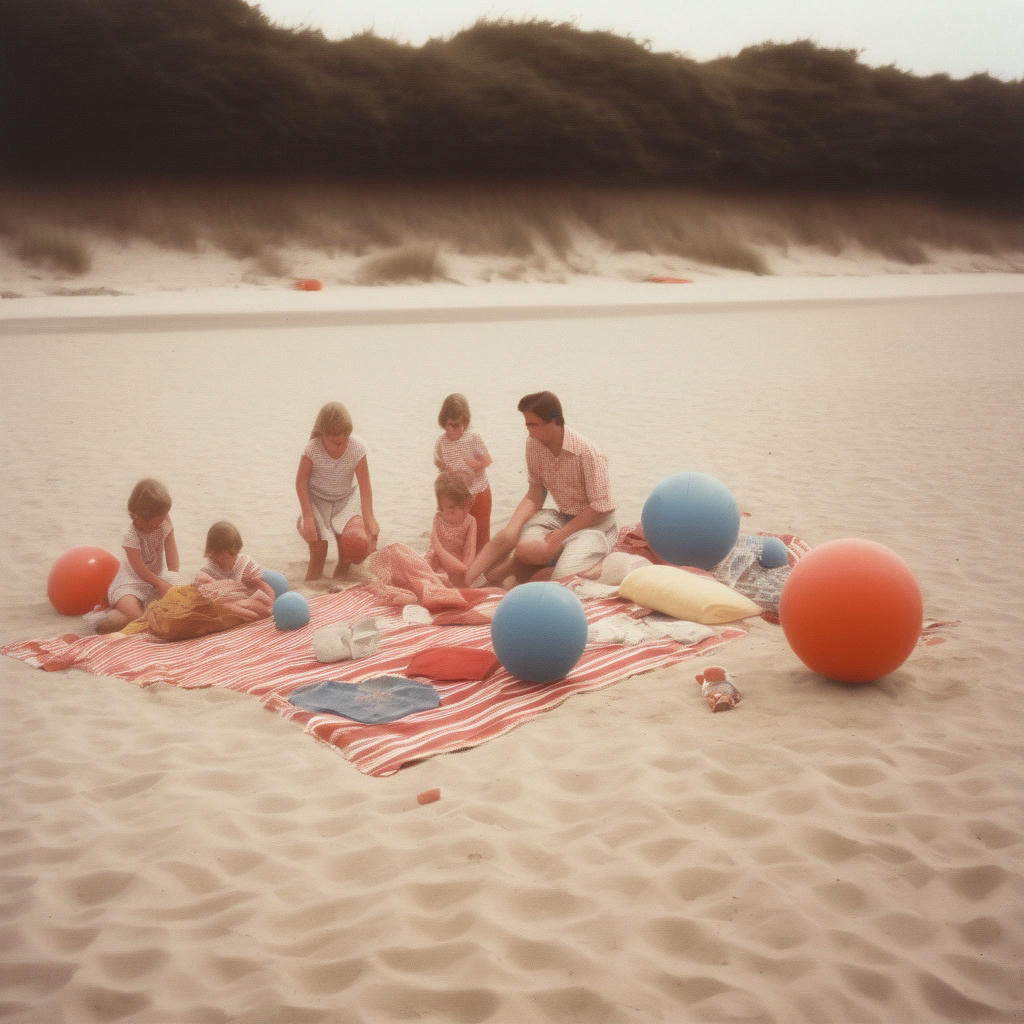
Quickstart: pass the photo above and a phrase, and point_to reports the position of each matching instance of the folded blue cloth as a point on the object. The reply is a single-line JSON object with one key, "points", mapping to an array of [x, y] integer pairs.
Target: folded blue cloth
{"points": [[377, 699]]}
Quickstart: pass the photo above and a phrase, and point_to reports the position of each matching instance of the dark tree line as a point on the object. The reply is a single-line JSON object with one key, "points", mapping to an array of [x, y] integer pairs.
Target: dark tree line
{"points": [[115, 89]]}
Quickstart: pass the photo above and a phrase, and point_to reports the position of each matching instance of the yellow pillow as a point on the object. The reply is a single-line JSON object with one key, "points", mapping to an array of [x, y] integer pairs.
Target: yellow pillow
{"points": [[685, 595]]}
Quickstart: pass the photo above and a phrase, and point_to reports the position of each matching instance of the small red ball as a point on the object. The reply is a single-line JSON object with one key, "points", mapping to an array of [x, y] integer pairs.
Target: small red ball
{"points": [[851, 610]]}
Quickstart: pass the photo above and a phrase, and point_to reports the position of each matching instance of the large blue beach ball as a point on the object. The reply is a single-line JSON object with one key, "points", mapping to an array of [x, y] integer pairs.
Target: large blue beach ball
{"points": [[539, 631], [691, 519], [291, 610]]}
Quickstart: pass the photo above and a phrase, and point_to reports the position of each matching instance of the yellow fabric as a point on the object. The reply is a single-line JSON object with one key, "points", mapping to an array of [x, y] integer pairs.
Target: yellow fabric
{"points": [[685, 595], [181, 613]]}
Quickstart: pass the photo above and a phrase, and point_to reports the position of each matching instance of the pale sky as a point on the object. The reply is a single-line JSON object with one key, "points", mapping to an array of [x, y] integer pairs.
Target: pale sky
{"points": [[958, 37]]}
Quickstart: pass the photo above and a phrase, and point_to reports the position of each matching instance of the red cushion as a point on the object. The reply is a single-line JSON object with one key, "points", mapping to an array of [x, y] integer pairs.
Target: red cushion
{"points": [[452, 663]]}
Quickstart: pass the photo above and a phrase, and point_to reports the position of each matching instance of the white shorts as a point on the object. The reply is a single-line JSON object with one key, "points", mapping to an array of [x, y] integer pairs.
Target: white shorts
{"points": [[331, 516], [127, 584], [583, 550]]}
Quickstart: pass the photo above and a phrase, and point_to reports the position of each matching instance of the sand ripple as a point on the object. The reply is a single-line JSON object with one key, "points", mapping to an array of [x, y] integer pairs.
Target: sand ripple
{"points": [[823, 853]]}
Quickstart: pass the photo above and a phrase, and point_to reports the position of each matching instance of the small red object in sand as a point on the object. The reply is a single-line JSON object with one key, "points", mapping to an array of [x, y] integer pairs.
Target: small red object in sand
{"points": [[308, 284], [663, 279], [428, 796], [717, 688]]}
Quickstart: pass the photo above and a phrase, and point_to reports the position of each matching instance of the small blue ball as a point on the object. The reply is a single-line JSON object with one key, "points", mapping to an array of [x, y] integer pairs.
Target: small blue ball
{"points": [[774, 553], [291, 610], [277, 581], [691, 519], [539, 631]]}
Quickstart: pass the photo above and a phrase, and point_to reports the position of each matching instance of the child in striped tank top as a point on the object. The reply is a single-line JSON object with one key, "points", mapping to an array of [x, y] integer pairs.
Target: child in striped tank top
{"points": [[453, 533]]}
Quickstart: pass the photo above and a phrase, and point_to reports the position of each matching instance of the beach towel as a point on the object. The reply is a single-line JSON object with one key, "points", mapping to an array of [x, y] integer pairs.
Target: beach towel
{"points": [[271, 664]]}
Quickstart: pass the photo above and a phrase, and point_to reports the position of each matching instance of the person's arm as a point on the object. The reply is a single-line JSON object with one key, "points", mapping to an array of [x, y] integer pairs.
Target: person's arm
{"points": [[308, 531], [253, 577], [366, 500], [171, 552], [469, 546], [448, 561], [134, 558], [243, 610], [586, 519], [502, 544], [529, 505], [481, 457]]}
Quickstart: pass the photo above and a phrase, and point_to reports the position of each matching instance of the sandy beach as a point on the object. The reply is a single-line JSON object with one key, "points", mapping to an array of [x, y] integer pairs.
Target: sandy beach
{"points": [[823, 852]]}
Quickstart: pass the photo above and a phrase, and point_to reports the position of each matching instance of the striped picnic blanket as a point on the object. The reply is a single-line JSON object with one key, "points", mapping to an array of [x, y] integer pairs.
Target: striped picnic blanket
{"points": [[269, 664]]}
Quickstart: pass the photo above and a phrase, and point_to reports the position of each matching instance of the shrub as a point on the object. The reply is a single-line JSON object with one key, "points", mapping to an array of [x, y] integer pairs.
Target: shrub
{"points": [[415, 262], [54, 250]]}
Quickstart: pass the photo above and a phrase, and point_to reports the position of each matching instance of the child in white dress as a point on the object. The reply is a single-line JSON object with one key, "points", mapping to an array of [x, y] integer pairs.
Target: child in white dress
{"points": [[147, 542], [332, 468], [453, 534], [231, 578]]}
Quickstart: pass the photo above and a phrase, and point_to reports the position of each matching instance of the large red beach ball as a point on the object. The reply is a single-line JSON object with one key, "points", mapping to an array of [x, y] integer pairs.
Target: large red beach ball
{"points": [[79, 580], [851, 610]]}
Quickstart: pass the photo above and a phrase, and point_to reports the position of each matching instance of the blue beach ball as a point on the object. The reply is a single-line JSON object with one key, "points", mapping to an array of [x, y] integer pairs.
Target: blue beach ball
{"points": [[691, 519], [539, 631], [773, 553], [291, 610], [277, 581]]}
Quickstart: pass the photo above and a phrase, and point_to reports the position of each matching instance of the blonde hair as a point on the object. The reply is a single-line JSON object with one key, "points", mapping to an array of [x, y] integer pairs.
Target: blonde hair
{"points": [[454, 407], [333, 419], [223, 537], [453, 487], [149, 498]]}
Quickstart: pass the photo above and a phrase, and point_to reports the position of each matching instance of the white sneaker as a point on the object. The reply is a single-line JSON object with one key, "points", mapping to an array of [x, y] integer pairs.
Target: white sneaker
{"points": [[90, 620]]}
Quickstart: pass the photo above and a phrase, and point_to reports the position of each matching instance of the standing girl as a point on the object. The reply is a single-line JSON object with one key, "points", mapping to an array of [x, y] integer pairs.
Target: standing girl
{"points": [[146, 543], [330, 469], [462, 451]]}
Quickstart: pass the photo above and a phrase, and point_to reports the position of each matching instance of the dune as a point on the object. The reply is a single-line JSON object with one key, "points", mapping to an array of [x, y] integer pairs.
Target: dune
{"points": [[821, 852]]}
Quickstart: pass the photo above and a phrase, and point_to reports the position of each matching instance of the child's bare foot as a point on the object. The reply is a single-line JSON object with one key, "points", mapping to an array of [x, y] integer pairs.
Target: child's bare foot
{"points": [[113, 622], [342, 570]]}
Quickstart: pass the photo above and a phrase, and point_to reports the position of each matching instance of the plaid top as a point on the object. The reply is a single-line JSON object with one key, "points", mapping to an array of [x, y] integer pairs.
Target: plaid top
{"points": [[453, 538], [150, 546], [334, 479], [245, 570], [576, 478], [451, 456]]}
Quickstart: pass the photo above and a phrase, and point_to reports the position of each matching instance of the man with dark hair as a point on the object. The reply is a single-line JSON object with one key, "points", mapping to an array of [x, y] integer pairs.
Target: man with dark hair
{"points": [[545, 404], [553, 543]]}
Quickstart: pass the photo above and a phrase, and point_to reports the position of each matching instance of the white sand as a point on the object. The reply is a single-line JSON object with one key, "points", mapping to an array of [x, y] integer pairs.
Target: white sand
{"points": [[822, 853]]}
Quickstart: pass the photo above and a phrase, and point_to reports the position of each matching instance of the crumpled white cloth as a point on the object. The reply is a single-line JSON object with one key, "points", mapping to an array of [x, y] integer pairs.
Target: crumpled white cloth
{"points": [[618, 565], [681, 630], [614, 569], [591, 588], [416, 615], [340, 640], [617, 629], [624, 629]]}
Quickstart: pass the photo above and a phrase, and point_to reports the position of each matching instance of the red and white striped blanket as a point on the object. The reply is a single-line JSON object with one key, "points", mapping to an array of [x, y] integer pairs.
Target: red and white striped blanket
{"points": [[261, 660]]}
